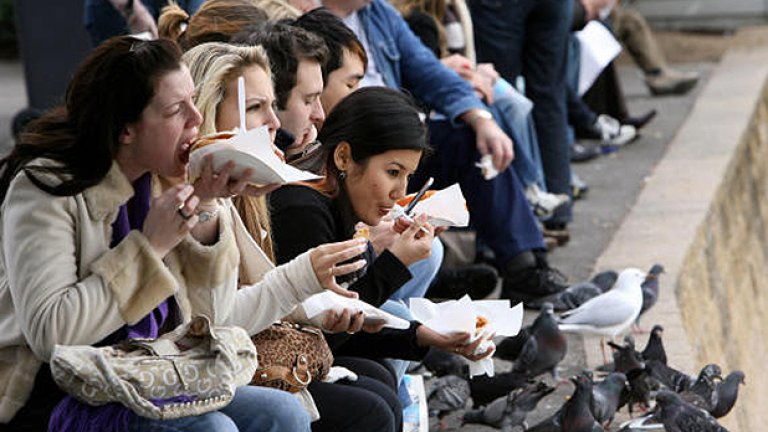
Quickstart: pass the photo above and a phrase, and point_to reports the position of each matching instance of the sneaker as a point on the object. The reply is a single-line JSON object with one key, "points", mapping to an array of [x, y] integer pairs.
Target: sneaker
{"points": [[606, 127], [531, 282], [584, 153], [579, 189], [477, 280], [671, 82], [543, 203], [625, 135]]}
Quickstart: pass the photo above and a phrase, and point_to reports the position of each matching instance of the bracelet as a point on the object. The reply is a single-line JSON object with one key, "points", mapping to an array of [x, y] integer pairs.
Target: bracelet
{"points": [[206, 215]]}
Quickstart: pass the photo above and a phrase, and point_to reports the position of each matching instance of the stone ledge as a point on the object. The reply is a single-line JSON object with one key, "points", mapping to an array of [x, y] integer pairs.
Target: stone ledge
{"points": [[702, 213]]}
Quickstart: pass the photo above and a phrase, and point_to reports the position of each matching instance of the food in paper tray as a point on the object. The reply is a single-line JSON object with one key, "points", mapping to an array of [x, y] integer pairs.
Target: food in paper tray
{"points": [[252, 149], [362, 232], [445, 207]]}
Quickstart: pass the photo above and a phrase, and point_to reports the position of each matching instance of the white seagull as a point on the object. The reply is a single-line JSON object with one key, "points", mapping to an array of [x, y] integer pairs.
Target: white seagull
{"points": [[610, 313]]}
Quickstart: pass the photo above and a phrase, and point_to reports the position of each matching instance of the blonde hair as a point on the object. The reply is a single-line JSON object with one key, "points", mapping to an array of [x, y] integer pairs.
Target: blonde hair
{"points": [[212, 65], [215, 21], [278, 9], [433, 8]]}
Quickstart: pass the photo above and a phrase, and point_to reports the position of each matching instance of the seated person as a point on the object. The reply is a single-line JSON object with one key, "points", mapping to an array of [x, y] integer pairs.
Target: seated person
{"points": [[91, 258]]}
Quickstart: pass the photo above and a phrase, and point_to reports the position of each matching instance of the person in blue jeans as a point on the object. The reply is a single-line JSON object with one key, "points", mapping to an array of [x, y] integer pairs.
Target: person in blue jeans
{"points": [[461, 131], [529, 38]]}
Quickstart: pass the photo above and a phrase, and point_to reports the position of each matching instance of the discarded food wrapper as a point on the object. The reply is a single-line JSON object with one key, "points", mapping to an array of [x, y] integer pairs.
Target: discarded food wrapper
{"points": [[329, 300], [445, 207], [251, 149], [486, 167], [479, 318]]}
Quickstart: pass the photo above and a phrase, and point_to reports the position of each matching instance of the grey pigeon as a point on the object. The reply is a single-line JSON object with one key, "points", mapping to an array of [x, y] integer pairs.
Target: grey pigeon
{"points": [[510, 347], [669, 377], [654, 349], [638, 392], [605, 279], [679, 416], [441, 362], [727, 392], [650, 288], [577, 414], [509, 411], [610, 313], [571, 297], [605, 397], [545, 348], [447, 394], [485, 389], [703, 392], [625, 357]]}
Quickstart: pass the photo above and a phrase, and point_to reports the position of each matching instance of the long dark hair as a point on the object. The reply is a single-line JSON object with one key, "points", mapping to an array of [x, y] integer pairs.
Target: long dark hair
{"points": [[110, 89], [373, 120]]}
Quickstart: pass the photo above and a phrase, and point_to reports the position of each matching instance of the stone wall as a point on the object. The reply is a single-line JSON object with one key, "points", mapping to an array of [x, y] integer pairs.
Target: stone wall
{"points": [[703, 213]]}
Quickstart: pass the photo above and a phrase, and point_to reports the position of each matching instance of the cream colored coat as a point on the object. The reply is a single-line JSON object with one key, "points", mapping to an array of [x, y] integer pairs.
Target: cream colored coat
{"points": [[60, 283]]}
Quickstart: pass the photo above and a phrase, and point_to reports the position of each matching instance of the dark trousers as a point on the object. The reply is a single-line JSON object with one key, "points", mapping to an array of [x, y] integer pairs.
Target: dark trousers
{"points": [[498, 209], [529, 38], [368, 404]]}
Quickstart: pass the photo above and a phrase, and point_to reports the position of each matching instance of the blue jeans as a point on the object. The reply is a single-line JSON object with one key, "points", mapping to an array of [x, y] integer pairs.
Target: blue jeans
{"points": [[423, 273], [498, 210], [529, 38], [512, 111], [102, 20], [253, 409]]}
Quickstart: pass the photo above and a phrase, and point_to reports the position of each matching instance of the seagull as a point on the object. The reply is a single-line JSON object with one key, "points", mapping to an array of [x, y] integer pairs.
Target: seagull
{"points": [[610, 313]]}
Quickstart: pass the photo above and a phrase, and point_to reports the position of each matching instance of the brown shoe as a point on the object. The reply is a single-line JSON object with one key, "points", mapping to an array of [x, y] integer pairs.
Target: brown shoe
{"points": [[671, 82], [561, 236]]}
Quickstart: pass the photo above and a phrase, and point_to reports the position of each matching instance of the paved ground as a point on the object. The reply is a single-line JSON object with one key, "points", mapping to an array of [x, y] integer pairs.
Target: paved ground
{"points": [[614, 180]]}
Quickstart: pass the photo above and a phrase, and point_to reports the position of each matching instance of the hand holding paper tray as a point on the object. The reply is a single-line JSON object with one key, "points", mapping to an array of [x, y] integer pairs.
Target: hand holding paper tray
{"points": [[329, 300], [252, 149], [462, 316], [445, 207]]}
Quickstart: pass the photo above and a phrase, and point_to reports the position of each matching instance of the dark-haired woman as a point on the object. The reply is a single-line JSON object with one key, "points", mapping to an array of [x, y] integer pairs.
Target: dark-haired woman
{"points": [[372, 142], [90, 258]]}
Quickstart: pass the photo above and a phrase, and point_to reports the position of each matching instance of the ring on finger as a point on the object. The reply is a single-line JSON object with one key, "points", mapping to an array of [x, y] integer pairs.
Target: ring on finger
{"points": [[181, 213]]}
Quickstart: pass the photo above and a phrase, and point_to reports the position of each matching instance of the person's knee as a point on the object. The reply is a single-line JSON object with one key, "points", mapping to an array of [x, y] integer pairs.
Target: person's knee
{"points": [[288, 414], [379, 416]]}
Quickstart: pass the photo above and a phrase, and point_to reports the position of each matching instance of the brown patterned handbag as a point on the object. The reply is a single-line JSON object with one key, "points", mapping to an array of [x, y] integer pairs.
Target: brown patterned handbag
{"points": [[291, 356]]}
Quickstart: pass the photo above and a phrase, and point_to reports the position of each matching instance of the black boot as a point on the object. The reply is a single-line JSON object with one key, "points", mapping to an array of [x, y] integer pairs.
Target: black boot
{"points": [[528, 276]]}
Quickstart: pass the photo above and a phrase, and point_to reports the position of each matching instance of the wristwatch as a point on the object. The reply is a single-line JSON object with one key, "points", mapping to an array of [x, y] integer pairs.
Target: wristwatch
{"points": [[477, 114]]}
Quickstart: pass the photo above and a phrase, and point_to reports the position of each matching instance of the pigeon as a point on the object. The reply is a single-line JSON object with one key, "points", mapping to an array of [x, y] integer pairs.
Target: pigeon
{"points": [[703, 392], [509, 411], [605, 280], [675, 380], [447, 394], [485, 389], [650, 288], [679, 416], [605, 397], [510, 347], [654, 349], [638, 391], [727, 392], [571, 297], [625, 357], [577, 414], [441, 362], [545, 347], [610, 313]]}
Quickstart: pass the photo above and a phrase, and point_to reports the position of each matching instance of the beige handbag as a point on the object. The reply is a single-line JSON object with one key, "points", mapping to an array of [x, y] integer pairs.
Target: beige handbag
{"points": [[196, 366]]}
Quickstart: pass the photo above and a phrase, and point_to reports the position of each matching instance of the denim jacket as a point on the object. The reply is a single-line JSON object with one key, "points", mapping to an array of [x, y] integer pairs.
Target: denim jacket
{"points": [[404, 62]]}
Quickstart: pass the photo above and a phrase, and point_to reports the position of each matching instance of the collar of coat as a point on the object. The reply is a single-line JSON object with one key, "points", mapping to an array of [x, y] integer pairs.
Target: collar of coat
{"points": [[104, 199]]}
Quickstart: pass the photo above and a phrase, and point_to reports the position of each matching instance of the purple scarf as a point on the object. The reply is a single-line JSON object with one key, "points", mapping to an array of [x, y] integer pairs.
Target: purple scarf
{"points": [[71, 415]]}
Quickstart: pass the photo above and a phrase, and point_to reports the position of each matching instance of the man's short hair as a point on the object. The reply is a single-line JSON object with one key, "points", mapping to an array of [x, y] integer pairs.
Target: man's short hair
{"points": [[337, 37], [286, 45]]}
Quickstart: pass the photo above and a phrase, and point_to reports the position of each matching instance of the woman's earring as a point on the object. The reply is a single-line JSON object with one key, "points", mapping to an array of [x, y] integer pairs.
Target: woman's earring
{"points": [[342, 175]]}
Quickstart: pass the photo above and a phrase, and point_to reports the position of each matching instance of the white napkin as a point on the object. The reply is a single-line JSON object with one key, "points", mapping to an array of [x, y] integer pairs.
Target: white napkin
{"points": [[329, 300], [486, 167], [461, 316]]}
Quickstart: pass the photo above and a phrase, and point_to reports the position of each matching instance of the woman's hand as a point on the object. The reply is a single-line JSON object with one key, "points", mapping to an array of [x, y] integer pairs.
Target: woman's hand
{"points": [[325, 262], [383, 235], [210, 185], [171, 216], [457, 343], [415, 243], [348, 322]]}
